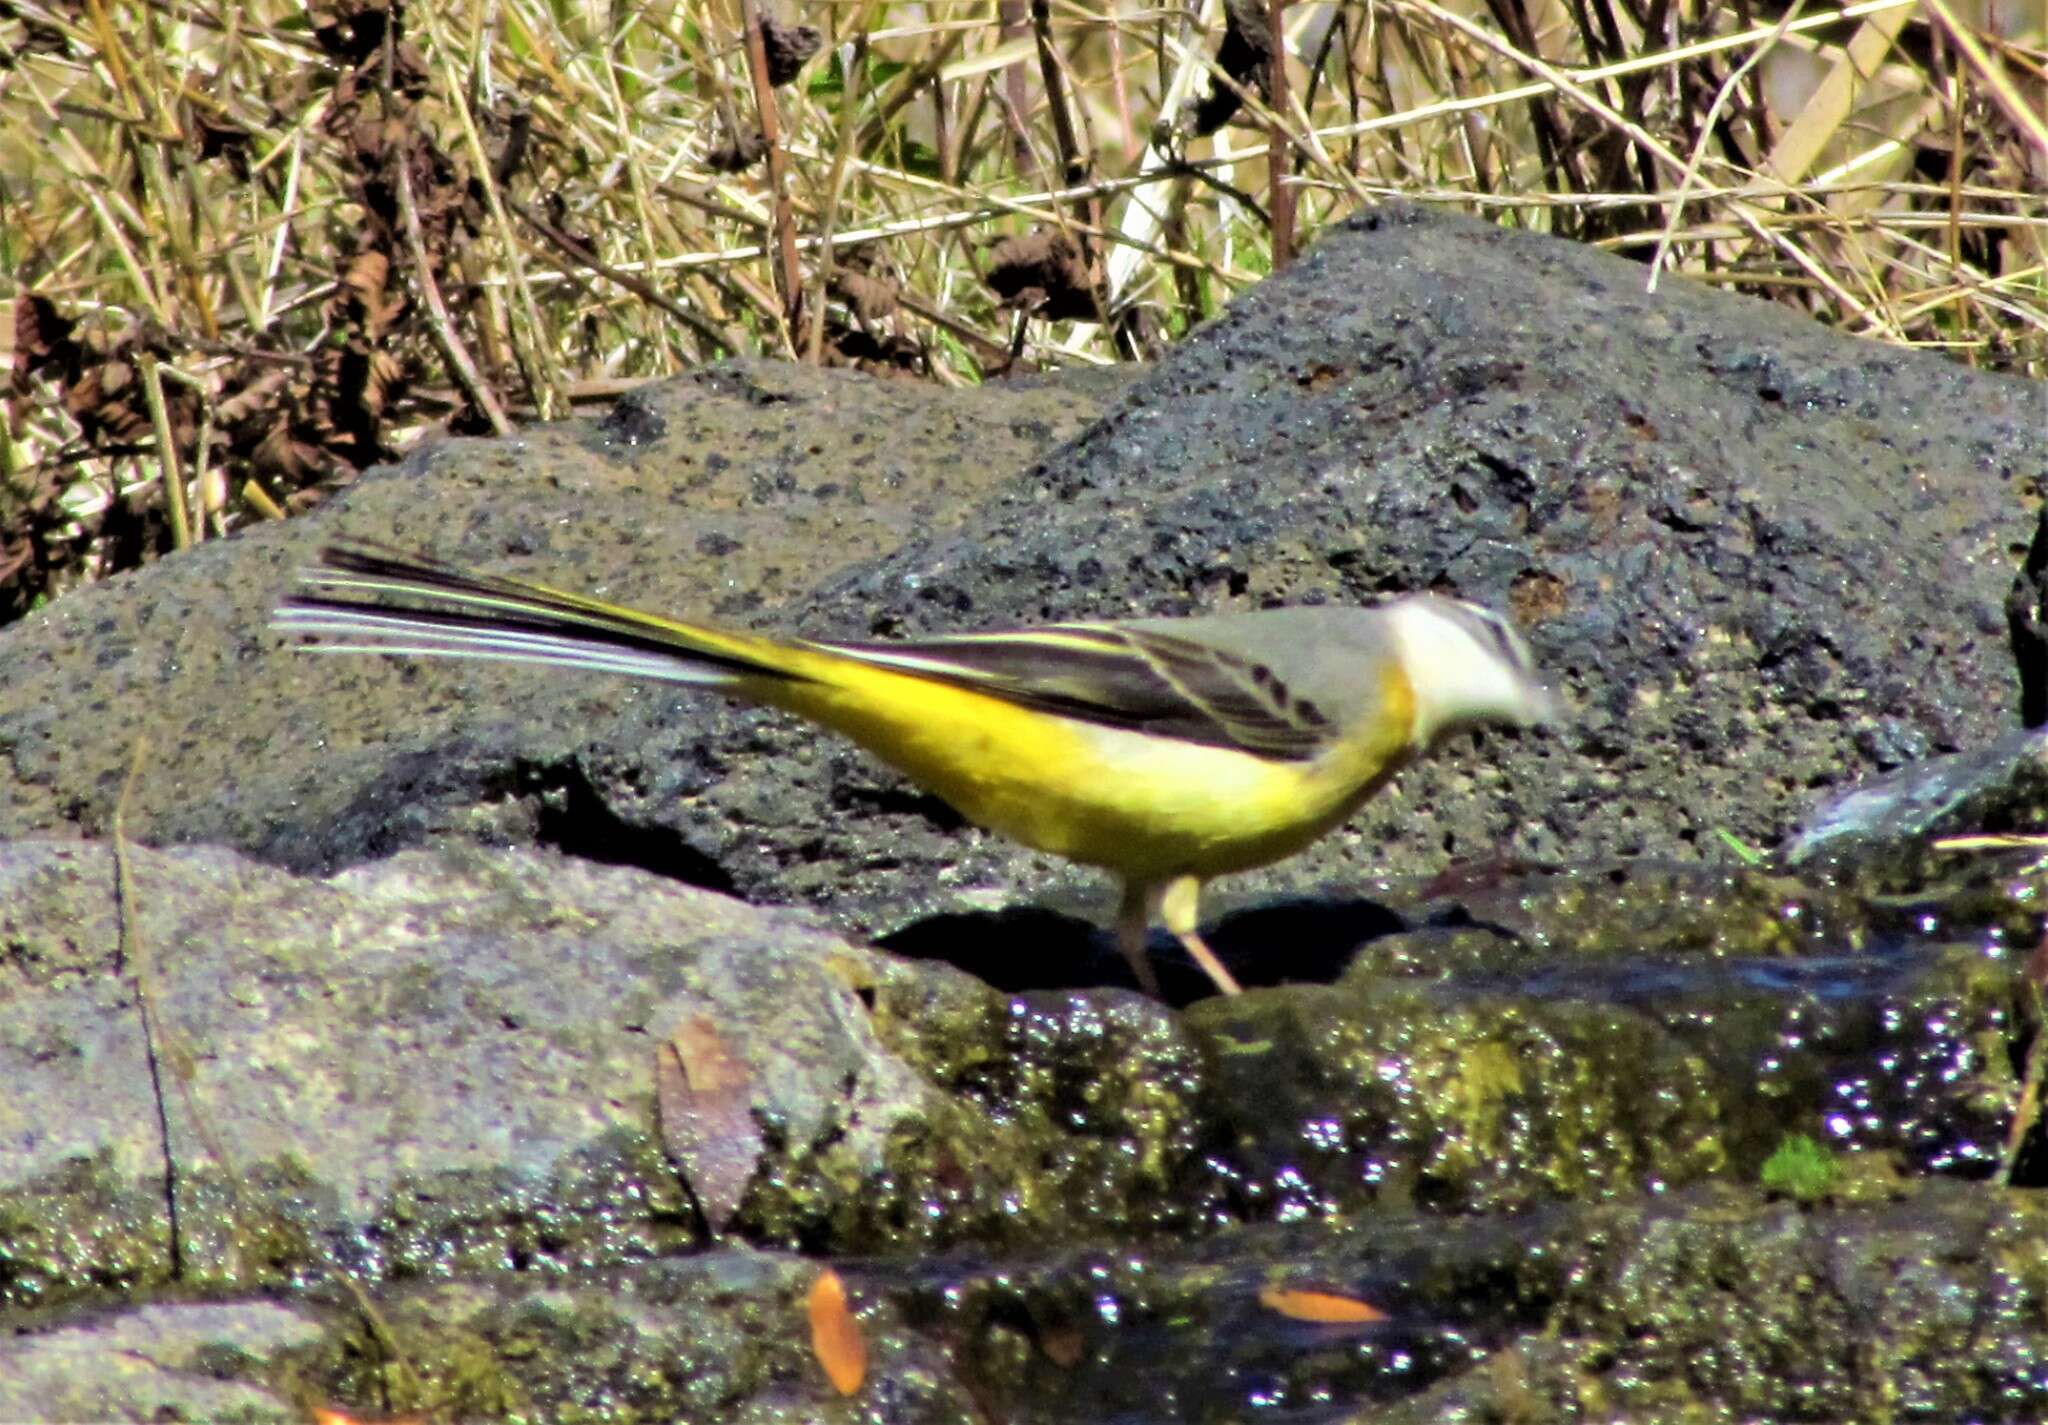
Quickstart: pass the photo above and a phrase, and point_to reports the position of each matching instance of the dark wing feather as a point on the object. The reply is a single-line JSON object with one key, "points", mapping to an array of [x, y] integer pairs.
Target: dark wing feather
{"points": [[1123, 677]]}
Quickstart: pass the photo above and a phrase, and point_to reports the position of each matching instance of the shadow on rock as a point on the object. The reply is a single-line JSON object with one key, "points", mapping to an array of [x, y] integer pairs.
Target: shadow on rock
{"points": [[1296, 941]]}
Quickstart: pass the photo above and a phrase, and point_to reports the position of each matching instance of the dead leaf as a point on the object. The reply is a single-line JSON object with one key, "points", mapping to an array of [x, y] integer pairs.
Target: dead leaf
{"points": [[1325, 1307], [1245, 55], [705, 1094], [1043, 272], [872, 298], [736, 152], [835, 1334], [787, 47]]}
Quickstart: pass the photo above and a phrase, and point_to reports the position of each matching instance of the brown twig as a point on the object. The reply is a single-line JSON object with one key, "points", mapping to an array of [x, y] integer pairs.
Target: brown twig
{"points": [[1014, 101], [1072, 169], [1074, 164], [645, 291], [1279, 156], [835, 186], [133, 953], [792, 280], [439, 325]]}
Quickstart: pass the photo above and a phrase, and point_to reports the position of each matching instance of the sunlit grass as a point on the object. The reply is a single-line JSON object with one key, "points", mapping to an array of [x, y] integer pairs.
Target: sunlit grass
{"points": [[190, 179]]}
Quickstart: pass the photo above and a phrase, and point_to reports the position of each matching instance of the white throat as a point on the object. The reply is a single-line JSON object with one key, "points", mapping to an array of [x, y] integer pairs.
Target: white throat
{"points": [[1467, 668]]}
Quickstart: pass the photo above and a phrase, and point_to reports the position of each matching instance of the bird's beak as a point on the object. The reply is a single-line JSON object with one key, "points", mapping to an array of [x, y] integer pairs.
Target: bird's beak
{"points": [[1546, 708]]}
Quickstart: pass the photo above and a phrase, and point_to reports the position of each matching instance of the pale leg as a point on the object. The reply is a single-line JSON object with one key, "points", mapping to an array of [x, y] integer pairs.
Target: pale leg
{"points": [[1133, 919], [1179, 907]]}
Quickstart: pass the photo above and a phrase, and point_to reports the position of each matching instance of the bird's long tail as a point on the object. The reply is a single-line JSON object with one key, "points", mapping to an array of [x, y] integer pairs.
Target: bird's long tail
{"points": [[364, 598]]}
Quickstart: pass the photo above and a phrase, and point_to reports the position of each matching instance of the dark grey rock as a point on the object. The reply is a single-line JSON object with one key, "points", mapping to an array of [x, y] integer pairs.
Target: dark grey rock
{"points": [[721, 492], [1762, 559]]}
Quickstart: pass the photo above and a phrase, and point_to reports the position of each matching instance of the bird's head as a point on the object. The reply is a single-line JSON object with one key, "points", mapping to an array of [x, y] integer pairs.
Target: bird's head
{"points": [[1468, 668]]}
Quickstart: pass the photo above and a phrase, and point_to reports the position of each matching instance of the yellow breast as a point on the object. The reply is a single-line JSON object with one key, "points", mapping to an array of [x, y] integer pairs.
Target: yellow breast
{"points": [[1143, 806]]}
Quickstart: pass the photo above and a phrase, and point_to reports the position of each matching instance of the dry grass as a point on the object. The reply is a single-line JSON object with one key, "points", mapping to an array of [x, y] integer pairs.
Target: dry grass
{"points": [[276, 243]]}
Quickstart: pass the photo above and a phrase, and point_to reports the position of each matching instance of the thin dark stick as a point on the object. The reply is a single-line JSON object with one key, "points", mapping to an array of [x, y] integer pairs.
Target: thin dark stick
{"points": [[441, 326], [1010, 16], [134, 961], [1279, 157], [778, 184], [645, 291], [1073, 164]]}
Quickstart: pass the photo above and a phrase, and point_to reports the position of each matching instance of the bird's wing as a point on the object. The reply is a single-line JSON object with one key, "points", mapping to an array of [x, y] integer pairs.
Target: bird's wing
{"points": [[1119, 676]]}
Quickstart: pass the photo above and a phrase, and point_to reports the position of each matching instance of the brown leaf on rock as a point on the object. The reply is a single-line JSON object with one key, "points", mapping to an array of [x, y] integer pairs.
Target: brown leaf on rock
{"points": [[835, 1334], [705, 1095]]}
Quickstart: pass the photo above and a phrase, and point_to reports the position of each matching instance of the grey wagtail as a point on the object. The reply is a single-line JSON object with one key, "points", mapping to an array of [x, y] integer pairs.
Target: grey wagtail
{"points": [[1166, 750]]}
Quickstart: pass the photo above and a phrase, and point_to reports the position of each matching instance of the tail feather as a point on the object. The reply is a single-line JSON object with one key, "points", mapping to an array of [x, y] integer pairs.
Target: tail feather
{"points": [[374, 600]]}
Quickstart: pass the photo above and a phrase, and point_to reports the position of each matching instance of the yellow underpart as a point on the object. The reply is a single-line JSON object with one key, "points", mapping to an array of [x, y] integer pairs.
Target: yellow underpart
{"points": [[1146, 807]]}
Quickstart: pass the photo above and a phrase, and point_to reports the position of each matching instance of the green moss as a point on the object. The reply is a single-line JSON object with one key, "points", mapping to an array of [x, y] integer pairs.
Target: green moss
{"points": [[426, 1363], [1488, 1075], [618, 1200], [1800, 1169], [1379, 1091], [1055, 1116]]}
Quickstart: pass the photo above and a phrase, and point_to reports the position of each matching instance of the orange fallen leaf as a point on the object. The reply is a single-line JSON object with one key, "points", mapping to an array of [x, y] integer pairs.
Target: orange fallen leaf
{"points": [[1298, 1304], [328, 1415], [835, 1336]]}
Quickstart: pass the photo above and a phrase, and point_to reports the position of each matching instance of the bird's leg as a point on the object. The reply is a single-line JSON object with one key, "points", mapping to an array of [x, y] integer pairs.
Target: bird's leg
{"points": [[1133, 920], [1179, 907]]}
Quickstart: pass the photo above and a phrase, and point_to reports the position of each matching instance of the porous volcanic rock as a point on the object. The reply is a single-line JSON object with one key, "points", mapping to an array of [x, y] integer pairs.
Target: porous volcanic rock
{"points": [[1760, 557]]}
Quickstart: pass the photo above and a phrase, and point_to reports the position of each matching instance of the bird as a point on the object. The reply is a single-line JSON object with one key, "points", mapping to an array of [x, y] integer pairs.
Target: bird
{"points": [[1165, 750]]}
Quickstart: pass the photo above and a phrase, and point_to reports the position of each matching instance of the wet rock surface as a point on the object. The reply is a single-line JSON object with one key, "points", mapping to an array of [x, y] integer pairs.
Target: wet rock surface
{"points": [[2000, 789], [1924, 1306], [419, 1155]]}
